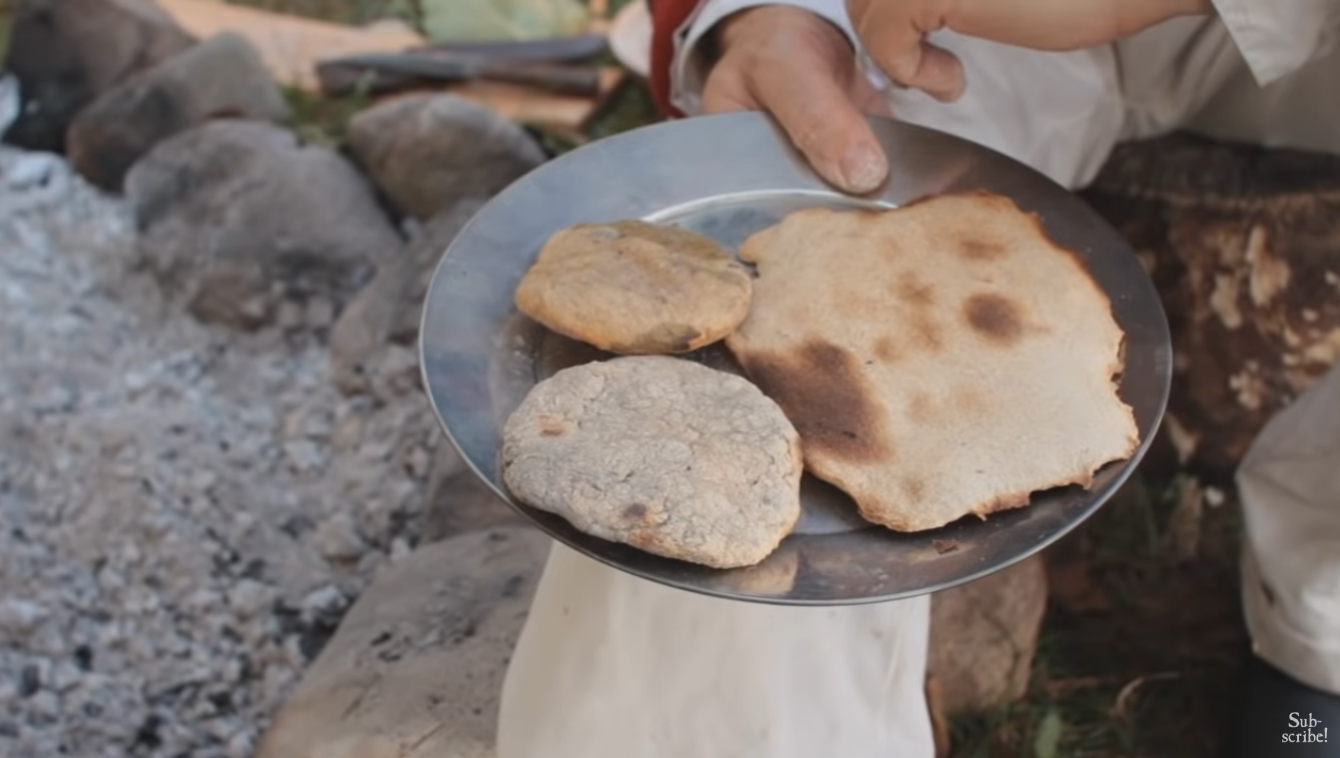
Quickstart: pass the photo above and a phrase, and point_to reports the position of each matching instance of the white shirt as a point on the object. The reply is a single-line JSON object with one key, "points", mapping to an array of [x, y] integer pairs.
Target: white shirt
{"points": [[1062, 112], [1275, 37]]}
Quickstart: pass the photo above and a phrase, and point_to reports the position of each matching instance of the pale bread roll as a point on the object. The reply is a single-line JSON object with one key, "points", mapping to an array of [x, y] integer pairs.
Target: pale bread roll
{"points": [[942, 359], [660, 453], [635, 288]]}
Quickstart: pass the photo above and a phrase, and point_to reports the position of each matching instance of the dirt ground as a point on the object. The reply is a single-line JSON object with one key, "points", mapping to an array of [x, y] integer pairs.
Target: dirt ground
{"points": [[1142, 642]]}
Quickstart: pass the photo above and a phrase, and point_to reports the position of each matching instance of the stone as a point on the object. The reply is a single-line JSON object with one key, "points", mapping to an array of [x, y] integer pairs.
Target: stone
{"points": [[320, 313], [396, 374], [984, 635], [426, 152], [65, 53], [236, 216], [1242, 244], [389, 307], [416, 666], [19, 618], [337, 539], [456, 501], [220, 77], [9, 101]]}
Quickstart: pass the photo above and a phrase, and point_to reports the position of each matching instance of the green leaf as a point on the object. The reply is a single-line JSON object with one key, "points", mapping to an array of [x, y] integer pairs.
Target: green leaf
{"points": [[476, 20], [1048, 738]]}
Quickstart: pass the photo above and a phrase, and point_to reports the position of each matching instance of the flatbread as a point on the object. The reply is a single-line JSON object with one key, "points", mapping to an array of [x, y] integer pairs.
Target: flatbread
{"points": [[942, 359], [635, 288], [660, 453]]}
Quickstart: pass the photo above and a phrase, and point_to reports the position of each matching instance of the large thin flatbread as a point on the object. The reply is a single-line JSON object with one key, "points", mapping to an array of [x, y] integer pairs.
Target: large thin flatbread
{"points": [[941, 359]]}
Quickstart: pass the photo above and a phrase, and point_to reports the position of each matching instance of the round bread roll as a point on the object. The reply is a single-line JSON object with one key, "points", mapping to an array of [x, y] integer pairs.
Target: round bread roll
{"points": [[635, 288], [660, 453]]}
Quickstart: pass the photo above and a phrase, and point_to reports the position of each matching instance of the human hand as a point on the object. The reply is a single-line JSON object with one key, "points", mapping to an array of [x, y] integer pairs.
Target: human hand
{"points": [[796, 66], [893, 32]]}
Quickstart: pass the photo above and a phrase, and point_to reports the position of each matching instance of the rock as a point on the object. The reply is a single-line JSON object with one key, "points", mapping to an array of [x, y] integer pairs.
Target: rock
{"points": [[396, 374], [457, 502], [65, 53], [389, 307], [9, 101], [19, 618], [416, 667], [426, 152], [337, 539], [222, 76], [1243, 246], [983, 638], [320, 313], [325, 601], [248, 598], [235, 216]]}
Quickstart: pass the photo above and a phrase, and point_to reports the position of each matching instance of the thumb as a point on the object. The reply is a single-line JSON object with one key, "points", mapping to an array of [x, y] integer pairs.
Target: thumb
{"points": [[824, 123]]}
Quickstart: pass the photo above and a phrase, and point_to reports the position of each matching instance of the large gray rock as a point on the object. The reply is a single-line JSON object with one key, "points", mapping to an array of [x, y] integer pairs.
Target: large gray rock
{"points": [[389, 308], [427, 152], [456, 501], [236, 217], [65, 53], [984, 635], [416, 667], [223, 76]]}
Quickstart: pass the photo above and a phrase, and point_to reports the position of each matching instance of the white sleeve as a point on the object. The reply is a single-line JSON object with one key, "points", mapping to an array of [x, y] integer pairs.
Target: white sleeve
{"points": [[1277, 37], [686, 69]]}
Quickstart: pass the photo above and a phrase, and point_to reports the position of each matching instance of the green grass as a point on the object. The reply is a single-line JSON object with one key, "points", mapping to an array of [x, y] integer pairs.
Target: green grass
{"points": [[628, 107], [6, 21], [322, 120]]}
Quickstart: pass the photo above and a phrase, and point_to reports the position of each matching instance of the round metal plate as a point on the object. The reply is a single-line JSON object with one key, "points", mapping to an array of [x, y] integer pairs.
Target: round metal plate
{"points": [[729, 176]]}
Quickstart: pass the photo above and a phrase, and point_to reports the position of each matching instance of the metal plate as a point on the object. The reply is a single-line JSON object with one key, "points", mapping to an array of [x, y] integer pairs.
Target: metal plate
{"points": [[729, 176]]}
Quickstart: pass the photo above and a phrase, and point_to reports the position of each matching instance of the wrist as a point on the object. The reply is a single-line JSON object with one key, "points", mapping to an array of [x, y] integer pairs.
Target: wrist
{"points": [[1158, 11], [1194, 8]]}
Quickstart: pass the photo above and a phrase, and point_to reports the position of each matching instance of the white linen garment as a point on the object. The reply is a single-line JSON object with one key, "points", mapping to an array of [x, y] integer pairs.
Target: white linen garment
{"points": [[610, 666]]}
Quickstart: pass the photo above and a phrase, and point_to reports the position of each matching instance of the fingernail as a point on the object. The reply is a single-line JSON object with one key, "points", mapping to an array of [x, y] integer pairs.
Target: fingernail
{"points": [[863, 168]]}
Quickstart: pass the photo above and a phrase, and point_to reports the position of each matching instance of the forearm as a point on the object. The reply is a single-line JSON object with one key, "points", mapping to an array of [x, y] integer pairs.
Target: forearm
{"points": [[720, 35], [1064, 24]]}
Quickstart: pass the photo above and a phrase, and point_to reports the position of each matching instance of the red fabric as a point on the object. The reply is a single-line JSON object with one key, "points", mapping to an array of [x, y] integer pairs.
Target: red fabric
{"points": [[666, 17]]}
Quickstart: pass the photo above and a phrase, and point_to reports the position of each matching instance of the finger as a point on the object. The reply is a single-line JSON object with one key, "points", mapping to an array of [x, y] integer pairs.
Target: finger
{"points": [[824, 124], [931, 69], [895, 41], [869, 99], [939, 73], [725, 92], [890, 36]]}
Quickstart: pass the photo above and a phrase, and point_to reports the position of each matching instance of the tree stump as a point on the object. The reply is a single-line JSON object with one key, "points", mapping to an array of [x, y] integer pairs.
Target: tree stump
{"points": [[1243, 243]]}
